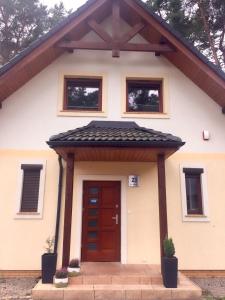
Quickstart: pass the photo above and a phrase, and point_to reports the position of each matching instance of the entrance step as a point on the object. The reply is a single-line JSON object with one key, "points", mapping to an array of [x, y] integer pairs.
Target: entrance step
{"points": [[115, 279], [186, 291]]}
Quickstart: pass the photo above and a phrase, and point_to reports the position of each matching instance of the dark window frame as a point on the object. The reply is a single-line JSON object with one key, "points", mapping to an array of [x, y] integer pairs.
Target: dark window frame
{"points": [[83, 81], [145, 82], [25, 202], [194, 173]]}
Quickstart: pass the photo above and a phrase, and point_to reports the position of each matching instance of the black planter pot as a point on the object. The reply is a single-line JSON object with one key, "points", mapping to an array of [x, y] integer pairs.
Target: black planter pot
{"points": [[169, 271], [48, 267]]}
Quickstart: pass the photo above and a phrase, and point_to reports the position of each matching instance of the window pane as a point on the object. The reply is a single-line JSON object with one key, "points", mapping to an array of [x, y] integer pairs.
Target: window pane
{"points": [[92, 234], [92, 223], [94, 190], [93, 201], [143, 96], [83, 94], [92, 246], [93, 212], [193, 193]]}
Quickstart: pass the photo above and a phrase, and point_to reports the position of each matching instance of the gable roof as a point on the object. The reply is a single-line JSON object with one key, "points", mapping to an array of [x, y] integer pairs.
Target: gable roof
{"points": [[113, 133], [43, 51]]}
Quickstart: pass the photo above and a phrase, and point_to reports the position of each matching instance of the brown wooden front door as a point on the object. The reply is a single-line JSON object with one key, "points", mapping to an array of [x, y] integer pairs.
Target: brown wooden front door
{"points": [[101, 221]]}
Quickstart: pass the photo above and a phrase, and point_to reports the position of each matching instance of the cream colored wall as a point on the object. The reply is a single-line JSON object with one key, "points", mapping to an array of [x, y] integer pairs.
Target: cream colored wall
{"points": [[199, 245], [23, 241]]}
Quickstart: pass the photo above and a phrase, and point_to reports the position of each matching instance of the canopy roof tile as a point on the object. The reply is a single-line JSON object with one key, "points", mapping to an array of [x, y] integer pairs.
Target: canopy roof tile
{"points": [[113, 133]]}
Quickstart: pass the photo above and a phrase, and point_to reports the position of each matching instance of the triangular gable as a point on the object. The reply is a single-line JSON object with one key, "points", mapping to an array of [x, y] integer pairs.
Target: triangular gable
{"points": [[66, 36]]}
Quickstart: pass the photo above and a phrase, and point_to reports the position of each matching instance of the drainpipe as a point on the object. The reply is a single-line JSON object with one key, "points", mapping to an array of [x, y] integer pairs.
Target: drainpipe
{"points": [[59, 203]]}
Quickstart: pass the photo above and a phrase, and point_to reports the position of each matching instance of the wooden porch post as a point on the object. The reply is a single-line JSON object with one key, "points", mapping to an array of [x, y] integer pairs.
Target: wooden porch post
{"points": [[68, 209], [162, 200]]}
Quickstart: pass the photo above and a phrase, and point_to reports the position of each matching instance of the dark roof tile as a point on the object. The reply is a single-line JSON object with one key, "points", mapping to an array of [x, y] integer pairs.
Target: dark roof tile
{"points": [[112, 133]]}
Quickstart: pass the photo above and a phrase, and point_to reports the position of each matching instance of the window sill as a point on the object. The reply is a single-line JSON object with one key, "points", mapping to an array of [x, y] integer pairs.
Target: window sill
{"points": [[28, 215], [141, 115], [70, 113], [195, 218]]}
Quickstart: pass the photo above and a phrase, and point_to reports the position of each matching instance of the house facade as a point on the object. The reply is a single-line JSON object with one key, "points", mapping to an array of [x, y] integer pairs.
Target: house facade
{"points": [[112, 128]]}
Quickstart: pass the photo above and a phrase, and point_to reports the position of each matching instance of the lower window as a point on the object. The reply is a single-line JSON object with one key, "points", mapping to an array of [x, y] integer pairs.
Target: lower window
{"points": [[31, 190], [193, 190], [194, 193]]}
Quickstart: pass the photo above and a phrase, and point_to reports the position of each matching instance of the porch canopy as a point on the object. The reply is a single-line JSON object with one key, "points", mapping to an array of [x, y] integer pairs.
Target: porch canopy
{"points": [[113, 141]]}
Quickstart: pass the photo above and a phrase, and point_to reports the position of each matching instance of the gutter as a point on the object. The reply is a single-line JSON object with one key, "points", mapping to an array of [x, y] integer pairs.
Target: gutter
{"points": [[60, 182]]}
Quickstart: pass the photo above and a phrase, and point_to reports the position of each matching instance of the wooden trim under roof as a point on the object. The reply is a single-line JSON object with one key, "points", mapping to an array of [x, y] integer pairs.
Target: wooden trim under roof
{"points": [[44, 51]]}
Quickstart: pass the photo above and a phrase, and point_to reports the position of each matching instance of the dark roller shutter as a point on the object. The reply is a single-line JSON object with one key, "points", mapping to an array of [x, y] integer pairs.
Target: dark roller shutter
{"points": [[30, 191], [193, 171]]}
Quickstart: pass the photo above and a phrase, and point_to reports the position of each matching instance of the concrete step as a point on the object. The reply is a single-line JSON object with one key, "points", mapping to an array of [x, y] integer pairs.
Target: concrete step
{"points": [[186, 291], [115, 279]]}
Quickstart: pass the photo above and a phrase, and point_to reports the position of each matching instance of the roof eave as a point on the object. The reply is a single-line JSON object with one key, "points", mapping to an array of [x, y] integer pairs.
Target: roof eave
{"points": [[120, 144]]}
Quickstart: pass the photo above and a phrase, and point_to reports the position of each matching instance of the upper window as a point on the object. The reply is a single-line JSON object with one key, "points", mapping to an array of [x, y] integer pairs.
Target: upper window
{"points": [[144, 96], [31, 190], [83, 94], [194, 193]]}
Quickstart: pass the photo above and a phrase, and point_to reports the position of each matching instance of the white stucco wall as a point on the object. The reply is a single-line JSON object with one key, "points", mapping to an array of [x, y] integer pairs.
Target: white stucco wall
{"points": [[32, 110]]}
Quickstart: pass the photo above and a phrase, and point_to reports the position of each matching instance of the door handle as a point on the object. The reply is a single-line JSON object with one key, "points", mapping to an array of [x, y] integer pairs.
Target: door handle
{"points": [[116, 218]]}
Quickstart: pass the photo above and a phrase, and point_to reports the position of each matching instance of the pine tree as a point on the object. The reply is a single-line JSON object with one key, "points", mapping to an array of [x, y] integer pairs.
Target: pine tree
{"points": [[202, 22], [24, 21]]}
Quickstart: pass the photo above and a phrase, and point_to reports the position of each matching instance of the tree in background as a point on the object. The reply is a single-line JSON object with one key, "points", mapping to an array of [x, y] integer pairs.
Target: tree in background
{"points": [[202, 22], [24, 21]]}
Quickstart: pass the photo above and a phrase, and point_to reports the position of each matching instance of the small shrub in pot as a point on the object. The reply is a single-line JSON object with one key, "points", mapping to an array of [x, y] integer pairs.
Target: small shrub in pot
{"points": [[61, 278], [74, 267], [48, 262], [169, 264]]}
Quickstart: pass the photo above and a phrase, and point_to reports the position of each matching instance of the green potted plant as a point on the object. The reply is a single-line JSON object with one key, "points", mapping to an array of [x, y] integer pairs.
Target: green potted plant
{"points": [[48, 262], [61, 278], [74, 267], [169, 264]]}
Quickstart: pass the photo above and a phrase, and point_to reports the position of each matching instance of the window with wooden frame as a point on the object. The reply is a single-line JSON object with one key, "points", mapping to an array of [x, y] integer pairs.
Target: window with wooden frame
{"points": [[194, 193], [193, 190], [31, 188], [144, 96], [82, 94]]}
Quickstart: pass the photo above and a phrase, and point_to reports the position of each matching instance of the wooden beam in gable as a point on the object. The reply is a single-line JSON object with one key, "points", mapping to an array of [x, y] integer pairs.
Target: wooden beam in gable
{"points": [[109, 46], [100, 31], [173, 40], [116, 28], [130, 34]]}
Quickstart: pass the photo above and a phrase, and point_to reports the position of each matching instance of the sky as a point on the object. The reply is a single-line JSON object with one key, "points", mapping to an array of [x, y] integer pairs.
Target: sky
{"points": [[74, 4]]}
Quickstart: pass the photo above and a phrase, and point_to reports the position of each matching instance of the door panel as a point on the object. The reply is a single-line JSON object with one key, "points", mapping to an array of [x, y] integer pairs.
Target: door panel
{"points": [[101, 221]]}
